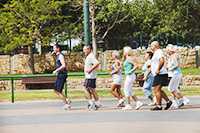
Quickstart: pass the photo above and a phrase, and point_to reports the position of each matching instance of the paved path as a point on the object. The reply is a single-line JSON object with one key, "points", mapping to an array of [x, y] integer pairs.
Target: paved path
{"points": [[49, 117]]}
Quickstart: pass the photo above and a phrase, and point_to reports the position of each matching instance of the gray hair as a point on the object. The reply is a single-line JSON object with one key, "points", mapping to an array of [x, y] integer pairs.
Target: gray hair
{"points": [[116, 53], [127, 49]]}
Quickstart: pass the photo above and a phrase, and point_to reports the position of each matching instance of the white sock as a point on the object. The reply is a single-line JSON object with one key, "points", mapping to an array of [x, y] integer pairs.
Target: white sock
{"points": [[90, 102], [121, 100]]}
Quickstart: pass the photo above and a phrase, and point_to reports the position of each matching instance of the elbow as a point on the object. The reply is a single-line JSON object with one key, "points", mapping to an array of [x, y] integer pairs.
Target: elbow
{"points": [[63, 66]]}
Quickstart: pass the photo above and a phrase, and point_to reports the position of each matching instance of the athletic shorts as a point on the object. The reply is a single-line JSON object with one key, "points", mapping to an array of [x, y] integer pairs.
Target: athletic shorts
{"points": [[161, 79], [60, 82], [117, 79], [90, 83]]}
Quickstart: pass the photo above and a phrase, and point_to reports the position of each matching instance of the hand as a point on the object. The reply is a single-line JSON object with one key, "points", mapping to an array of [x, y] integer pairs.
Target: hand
{"points": [[55, 72], [157, 72], [88, 71], [145, 78]]}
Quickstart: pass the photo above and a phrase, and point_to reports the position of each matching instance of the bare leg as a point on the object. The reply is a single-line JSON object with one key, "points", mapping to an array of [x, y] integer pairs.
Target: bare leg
{"points": [[88, 94], [178, 95], [94, 94], [61, 96], [164, 96], [119, 92], [157, 92], [134, 98], [129, 99], [114, 91]]}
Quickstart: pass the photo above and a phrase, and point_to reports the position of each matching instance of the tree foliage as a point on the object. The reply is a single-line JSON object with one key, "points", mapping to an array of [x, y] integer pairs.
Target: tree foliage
{"points": [[117, 22]]}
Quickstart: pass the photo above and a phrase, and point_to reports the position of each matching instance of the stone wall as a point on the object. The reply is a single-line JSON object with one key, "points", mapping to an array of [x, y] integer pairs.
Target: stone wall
{"points": [[102, 83], [45, 63], [187, 56], [5, 61]]}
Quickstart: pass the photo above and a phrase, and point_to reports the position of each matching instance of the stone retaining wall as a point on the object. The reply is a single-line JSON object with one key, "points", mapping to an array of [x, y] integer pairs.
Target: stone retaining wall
{"points": [[101, 83], [45, 63]]}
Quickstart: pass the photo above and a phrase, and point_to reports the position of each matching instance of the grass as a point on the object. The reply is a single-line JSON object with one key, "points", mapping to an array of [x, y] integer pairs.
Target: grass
{"points": [[191, 71], [77, 94]]}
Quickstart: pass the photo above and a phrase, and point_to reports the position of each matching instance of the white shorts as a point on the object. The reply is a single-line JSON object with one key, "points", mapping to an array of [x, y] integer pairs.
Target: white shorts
{"points": [[117, 79], [128, 84], [175, 82]]}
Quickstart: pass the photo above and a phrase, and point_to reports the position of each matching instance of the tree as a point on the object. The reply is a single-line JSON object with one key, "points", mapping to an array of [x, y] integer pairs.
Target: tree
{"points": [[29, 21]]}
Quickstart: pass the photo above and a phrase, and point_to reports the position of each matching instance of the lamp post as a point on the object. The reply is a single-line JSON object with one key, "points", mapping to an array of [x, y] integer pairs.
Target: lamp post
{"points": [[87, 35]]}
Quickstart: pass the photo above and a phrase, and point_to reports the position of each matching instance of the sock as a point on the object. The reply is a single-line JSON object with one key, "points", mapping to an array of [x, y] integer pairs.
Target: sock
{"points": [[90, 102], [159, 106]]}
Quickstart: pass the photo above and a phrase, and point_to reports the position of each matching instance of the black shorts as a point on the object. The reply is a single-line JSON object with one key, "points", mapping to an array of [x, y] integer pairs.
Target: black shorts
{"points": [[90, 83], [60, 82], [161, 79]]}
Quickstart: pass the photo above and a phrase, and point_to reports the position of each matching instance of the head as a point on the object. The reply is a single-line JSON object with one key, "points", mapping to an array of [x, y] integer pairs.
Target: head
{"points": [[87, 49], [170, 49], [126, 51], [148, 54], [155, 45], [115, 55], [57, 48]]}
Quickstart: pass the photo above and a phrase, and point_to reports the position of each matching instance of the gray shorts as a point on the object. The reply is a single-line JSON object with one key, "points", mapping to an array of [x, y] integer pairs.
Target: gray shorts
{"points": [[90, 83]]}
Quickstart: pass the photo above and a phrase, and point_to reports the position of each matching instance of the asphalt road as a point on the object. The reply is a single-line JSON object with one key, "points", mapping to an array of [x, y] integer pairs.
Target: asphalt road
{"points": [[50, 117]]}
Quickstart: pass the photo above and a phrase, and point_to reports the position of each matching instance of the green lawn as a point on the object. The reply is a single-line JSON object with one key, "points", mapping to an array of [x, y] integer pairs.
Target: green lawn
{"points": [[191, 71], [77, 94]]}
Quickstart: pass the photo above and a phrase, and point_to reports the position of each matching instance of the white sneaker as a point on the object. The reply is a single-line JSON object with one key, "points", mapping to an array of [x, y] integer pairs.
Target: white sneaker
{"points": [[98, 104], [186, 100], [67, 106], [127, 107], [120, 103], [68, 101], [174, 104], [151, 104], [138, 105], [91, 105]]}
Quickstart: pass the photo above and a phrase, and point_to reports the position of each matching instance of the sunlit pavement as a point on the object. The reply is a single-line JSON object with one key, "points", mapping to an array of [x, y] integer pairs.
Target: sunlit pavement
{"points": [[50, 117]]}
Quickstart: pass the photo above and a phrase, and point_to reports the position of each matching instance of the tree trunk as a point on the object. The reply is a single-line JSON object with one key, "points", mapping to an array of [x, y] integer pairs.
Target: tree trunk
{"points": [[94, 44], [31, 58]]}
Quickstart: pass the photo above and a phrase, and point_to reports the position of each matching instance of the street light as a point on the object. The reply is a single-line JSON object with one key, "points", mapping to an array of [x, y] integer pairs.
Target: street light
{"points": [[87, 35]]}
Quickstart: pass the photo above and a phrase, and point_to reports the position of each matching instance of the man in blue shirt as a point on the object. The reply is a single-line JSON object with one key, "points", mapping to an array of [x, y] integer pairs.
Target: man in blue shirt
{"points": [[61, 72]]}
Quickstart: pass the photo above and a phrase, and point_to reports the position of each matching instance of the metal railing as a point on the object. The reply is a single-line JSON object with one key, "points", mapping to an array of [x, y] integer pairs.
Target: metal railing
{"points": [[12, 78]]}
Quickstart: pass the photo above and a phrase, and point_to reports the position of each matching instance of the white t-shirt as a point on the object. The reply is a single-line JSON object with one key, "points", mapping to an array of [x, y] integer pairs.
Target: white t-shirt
{"points": [[89, 62], [158, 54]]}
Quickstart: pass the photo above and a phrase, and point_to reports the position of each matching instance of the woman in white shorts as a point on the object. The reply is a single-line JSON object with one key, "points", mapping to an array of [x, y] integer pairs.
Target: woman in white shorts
{"points": [[116, 72], [175, 75], [129, 68]]}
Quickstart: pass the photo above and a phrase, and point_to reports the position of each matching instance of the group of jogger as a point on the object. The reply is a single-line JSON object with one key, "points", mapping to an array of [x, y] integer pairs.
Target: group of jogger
{"points": [[159, 70]]}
